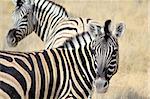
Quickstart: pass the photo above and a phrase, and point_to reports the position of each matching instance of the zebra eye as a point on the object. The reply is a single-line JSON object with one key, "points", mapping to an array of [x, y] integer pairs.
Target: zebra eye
{"points": [[27, 13], [25, 16], [115, 52], [93, 52]]}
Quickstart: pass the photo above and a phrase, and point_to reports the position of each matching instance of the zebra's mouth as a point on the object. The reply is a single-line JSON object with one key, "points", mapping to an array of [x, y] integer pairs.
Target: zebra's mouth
{"points": [[101, 85]]}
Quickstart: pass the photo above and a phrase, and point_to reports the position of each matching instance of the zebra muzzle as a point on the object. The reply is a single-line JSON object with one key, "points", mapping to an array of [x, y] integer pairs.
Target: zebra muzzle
{"points": [[11, 38], [101, 85]]}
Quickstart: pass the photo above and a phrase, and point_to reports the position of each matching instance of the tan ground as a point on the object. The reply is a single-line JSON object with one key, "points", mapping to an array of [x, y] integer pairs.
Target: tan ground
{"points": [[132, 80]]}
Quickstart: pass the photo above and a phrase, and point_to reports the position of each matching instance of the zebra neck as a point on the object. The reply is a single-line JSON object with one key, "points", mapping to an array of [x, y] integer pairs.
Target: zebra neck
{"points": [[48, 15], [80, 40]]}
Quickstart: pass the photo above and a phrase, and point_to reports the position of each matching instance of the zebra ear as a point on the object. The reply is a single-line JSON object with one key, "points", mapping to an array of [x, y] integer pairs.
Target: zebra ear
{"points": [[95, 29], [20, 2], [107, 30], [107, 27], [119, 30]]}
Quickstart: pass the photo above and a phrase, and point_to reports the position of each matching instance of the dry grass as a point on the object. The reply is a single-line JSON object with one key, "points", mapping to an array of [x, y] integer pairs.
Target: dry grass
{"points": [[133, 78]]}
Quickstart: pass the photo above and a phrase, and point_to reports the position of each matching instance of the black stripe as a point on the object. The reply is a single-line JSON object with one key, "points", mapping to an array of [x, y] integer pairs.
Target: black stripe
{"points": [[40, 8], [22, 64], [67, 60], [58, 71], [91, 51], [56, 16], [68, 86], [72, 44], [45, 27], [6, 58], [39, 30], [40, 65], [77, 91], [46, 24], [71, 97], [49, 64], [83, 61], [59, 38], [67, 43], [82, 24], [32, 75], [15, 53], [90, 58], [74, 21], [47, 20], [88, 20], [43, 11], [16, 74], [84, 38], [78, 40], [46, 14], [89, 35], [57, 19], [66, 28], [77, 76], [64, 71], [10, 90]]}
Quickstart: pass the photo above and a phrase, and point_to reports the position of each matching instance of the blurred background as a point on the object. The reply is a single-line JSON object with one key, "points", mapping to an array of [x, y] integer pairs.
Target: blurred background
{"points": [[132, 80]]}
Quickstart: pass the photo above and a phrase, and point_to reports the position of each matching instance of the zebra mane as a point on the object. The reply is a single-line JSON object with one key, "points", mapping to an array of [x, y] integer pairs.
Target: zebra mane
{"points": [[70, 40], [84, 38]]}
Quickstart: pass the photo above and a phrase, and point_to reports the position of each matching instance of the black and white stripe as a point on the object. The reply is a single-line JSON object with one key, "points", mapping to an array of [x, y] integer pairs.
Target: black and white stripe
{"points": [[50, 74]]}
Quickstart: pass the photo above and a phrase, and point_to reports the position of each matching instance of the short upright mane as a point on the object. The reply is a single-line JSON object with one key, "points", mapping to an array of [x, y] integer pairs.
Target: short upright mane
{"points": [[77, 38]]}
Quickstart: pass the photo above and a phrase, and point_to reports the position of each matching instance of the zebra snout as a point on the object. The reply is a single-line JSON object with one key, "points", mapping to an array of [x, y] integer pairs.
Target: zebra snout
{"points": [[11, 38], [101, 85]]}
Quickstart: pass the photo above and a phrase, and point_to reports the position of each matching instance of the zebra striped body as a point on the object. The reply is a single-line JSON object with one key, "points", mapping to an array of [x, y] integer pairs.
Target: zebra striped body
{"points": [[49, 74], [48, 20]]}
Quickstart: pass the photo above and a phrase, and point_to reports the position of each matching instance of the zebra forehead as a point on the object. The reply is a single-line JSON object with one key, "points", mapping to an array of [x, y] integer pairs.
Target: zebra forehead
{"points": [[19, 12], [107, 44]]}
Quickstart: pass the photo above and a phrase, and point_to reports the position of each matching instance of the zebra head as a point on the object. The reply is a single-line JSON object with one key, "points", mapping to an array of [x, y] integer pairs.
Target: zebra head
{"points": [[24, 21], [106, 55]]}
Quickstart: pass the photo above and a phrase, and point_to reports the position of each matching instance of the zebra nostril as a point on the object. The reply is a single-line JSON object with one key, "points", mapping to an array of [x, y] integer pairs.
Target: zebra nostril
{"points": [[105, 84], [13, 40]]}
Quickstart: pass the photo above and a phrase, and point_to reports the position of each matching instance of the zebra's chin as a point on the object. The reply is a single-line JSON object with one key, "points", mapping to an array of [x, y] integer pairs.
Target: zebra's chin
{"points": [[10, 44], [101, 90], [101, 85]]}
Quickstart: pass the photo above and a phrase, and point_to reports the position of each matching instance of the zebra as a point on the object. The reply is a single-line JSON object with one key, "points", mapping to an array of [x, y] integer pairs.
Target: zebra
{"points": [[48, 20], [60, 73]]}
